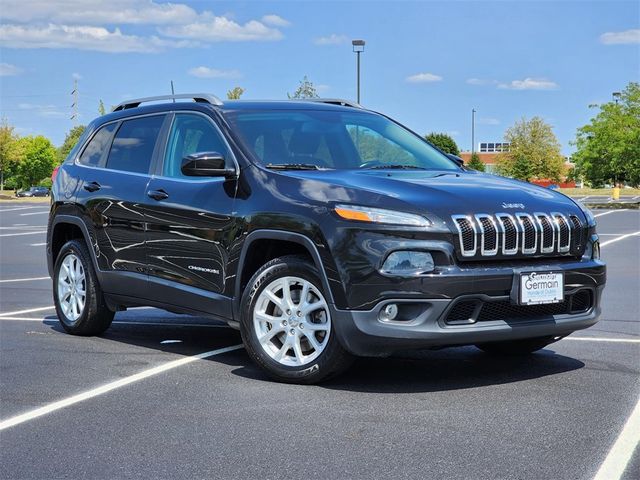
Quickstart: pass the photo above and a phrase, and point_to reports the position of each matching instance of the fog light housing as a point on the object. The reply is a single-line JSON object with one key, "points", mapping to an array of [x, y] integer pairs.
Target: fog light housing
{"points": [[389, 312], [408, 262]]}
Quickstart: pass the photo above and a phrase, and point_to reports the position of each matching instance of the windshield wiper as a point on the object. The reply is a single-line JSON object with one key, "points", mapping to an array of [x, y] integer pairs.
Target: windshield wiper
{"points": [[292, 166], [396, 167]]}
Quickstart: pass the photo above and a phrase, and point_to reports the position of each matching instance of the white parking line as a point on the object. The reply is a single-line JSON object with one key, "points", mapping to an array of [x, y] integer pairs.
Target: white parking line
{"points": [[23, 226], [17, 208], [11, 280], [52, 407], [23, 233], [610, 211], [604, 339], [621, 452], [37, 244], [34, 213], [604, 244], [30, 310]]}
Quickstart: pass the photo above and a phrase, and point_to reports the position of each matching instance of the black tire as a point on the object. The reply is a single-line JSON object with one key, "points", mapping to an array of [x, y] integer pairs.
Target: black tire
{"points": [[330, 362], [95, 317], [516, 347]]}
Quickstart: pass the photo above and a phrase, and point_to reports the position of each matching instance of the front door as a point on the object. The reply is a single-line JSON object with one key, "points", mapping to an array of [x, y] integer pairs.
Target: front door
{"points": [[189, 219]]}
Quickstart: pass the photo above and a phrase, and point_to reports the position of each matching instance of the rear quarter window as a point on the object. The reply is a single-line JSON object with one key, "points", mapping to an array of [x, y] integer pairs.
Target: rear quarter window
{"points": [[97, 146]]}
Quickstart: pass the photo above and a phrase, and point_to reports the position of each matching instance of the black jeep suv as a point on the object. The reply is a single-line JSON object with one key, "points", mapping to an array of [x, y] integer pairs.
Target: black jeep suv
{"points": [[320, 229]]}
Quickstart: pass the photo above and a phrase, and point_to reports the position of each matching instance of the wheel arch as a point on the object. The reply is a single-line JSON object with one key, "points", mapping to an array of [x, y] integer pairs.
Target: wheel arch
{"points": [[62, 229], [247, 262]]}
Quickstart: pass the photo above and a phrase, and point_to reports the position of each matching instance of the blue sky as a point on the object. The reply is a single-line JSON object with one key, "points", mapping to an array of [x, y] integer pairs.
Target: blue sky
{"points": [[426, 63]]}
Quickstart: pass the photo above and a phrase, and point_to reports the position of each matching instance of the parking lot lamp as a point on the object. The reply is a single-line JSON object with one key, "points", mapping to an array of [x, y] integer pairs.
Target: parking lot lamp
{"points": [[358, 48]]}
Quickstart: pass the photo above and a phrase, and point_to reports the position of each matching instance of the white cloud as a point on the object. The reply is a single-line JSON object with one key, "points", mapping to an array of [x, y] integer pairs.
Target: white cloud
{"points": [[275, 21], [621, 38], [423, 78], [206, 72], [481, 81], [333, 39], [488, 121], [8, 70], [98, 12], [321, 87], [76, 76], [81, 38], [529, 84], [93, 18], [210, 28], [44, 110]]}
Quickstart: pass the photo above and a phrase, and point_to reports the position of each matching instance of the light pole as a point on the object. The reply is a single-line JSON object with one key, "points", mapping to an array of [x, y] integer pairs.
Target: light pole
{"points": [[473, 131], [358, 48], [616, 96]]}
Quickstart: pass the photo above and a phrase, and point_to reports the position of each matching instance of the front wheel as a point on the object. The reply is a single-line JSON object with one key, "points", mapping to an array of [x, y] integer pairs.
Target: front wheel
{"points": [[516, 347], [286, 323]]}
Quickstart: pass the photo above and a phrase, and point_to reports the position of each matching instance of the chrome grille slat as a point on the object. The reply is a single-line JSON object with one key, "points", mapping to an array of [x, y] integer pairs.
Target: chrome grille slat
{"points": [[564, 231], [547, 232], [466, 226], [485, 234], [488, 235], [529, 232], [509, 229]]}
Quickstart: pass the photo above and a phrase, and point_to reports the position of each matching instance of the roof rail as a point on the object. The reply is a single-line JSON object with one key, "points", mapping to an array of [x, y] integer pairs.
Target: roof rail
{"points": [[197, 97], [334, 101]]}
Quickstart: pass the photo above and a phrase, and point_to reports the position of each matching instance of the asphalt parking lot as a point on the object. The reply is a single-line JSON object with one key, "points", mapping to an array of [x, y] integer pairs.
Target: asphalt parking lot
{"points": [[161, 396]]}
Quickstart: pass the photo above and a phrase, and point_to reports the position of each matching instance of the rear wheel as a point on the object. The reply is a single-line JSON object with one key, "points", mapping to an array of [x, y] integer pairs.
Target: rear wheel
{"points": [[286, 323], [516, 347], [77, 295]]}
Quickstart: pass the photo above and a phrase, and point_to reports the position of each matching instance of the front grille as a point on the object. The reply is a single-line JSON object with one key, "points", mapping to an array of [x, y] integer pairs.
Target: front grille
{"points": [[476, 310], [487, 235]]}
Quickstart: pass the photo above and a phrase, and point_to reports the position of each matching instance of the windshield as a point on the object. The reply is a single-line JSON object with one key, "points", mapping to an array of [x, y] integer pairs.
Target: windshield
{"points": [[334, 140]]}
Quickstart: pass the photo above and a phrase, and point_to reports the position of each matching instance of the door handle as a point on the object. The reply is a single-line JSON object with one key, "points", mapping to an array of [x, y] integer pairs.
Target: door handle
{"points": [[157, 194], [92, 187]]}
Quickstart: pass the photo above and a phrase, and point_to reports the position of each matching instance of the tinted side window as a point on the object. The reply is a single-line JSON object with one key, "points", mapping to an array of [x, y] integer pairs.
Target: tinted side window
{"points": [[133, 145], [95, 148], [191, 134]]}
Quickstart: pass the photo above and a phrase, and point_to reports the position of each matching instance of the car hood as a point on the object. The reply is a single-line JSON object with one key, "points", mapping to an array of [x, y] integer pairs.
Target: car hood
{"points": [[442, 193]]}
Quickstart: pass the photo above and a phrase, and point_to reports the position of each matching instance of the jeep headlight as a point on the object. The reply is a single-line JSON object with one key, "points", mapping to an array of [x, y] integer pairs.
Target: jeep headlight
{"points": [[379, 215], [407, 262]]}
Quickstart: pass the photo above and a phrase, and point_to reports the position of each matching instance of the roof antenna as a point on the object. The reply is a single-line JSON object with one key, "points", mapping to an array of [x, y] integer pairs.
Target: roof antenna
{"points": [[172, 91]]}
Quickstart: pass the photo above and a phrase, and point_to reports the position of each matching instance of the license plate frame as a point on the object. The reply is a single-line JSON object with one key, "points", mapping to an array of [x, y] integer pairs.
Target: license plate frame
{"points": [[540, 288]]}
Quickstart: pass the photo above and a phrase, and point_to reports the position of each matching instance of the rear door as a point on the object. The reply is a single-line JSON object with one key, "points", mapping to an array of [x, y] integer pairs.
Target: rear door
{"points": [[116, 167], [189, 219]]}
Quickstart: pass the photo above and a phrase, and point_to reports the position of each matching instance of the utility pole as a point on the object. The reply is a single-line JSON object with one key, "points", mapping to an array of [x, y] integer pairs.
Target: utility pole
{"points": [[473, 131], [172, 91], [74, 104]]}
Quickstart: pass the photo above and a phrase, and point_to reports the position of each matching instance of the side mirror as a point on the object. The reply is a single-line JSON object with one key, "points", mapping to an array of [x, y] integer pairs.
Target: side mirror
{"points": [[206, 164], [456, 159]]}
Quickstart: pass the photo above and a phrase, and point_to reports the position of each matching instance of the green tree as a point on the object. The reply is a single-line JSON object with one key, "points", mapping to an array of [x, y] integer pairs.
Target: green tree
{"points": [[38, 162], [101, 109], [475, 163], [534, 152], [235, 93], [306, 89], [9, 151], [608, 148], [444, 142], [70, 141]]}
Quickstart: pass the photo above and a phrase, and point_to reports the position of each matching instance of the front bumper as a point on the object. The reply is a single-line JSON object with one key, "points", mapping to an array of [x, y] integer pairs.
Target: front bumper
{"points": [[426, 325]]}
